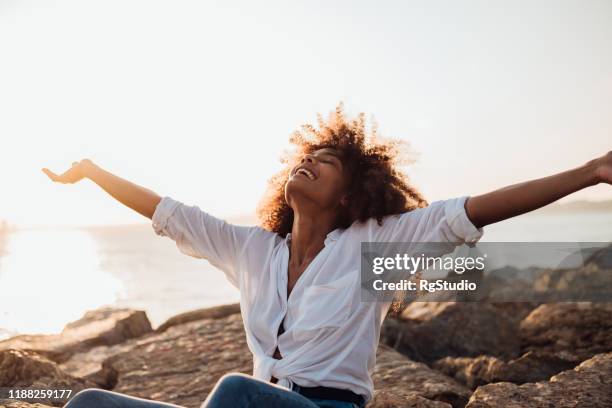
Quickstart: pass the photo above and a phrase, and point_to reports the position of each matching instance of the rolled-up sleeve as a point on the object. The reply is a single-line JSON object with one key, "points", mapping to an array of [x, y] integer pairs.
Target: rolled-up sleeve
{"points": [[201, 235], [441, 221], [458, 221], [162, 213]]}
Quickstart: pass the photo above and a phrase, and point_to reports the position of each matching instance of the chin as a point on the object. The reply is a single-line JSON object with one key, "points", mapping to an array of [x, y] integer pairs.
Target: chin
{"points": [[295, 189]]}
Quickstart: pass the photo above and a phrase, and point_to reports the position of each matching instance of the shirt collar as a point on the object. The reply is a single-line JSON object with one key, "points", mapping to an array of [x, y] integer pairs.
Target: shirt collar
{"points": [[332, 236]]}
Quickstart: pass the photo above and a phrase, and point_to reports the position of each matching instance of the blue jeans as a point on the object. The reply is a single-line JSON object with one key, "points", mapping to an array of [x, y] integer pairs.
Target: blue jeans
{"points": [[231, 391]]}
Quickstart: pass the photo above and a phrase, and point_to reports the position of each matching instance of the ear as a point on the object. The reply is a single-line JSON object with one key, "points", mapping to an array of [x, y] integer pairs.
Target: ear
{"points": [[344, 201]]}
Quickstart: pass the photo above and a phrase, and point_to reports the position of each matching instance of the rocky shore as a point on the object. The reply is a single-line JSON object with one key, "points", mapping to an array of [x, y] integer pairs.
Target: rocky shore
{"points": [[435, 354]]}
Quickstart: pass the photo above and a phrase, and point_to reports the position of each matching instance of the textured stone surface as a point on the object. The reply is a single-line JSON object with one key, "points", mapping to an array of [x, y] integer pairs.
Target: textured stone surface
{"points": [[88, 364], [589, 282], [602, 258], [387, 399], [182, 364], [580, 329], [21, 404], [104, 326], [587, 385], [404, 379], [530, 367], [428, 331], [193, 356], [26, 369], [478, 343], [216, 312]]}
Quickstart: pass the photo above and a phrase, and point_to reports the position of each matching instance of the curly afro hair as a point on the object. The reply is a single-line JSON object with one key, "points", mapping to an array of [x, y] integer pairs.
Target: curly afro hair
{"points": [[376, 189]]}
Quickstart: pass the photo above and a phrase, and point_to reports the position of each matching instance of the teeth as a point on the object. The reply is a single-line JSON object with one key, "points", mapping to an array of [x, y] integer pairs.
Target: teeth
{"points": [[307, 173]]}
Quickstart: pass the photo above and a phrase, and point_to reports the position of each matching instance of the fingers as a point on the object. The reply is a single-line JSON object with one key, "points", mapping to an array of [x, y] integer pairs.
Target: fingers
{"points": [[70, 176], [49, 173], [52, 175]]}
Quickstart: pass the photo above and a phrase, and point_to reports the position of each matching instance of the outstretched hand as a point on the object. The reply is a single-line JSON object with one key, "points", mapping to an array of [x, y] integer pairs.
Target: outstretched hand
{"points": [[72, 175], [510, 201], [139, 199]]}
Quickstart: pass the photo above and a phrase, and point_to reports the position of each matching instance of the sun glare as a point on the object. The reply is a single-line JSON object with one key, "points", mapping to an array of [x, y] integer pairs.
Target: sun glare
{"points": [[50, 277]]}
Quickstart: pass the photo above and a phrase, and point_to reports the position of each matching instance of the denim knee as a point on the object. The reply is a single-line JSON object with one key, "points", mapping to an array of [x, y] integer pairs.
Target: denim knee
{"points": [[232, 390], [234, 382], [89, 397]]}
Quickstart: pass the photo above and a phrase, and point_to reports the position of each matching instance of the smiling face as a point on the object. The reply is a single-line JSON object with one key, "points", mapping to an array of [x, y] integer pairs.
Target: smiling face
{"points": [[319, 179], [365, 165]]}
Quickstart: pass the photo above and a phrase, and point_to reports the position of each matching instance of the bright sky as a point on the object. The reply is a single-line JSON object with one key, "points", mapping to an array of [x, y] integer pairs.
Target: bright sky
{"points": [[196, 99]]}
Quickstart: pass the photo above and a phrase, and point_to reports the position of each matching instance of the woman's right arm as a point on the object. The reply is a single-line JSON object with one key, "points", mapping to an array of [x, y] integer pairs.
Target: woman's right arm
{"points": [[138, 198], [195, 232]]}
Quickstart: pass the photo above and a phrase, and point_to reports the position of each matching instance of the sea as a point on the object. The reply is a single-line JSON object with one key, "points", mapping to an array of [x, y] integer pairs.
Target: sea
{"points": [[49, 277]]}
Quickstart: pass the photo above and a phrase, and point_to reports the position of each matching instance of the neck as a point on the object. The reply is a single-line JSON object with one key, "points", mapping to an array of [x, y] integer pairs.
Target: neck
{"points": [[308, 235]]}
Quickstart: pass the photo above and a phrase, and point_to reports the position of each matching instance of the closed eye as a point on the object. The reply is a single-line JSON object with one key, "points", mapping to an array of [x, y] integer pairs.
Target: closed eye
{"points": [[328, 161]]}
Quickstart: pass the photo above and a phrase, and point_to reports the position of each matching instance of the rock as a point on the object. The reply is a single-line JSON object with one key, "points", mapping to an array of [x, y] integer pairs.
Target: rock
{"points": [[515, 311], [471, 344], [587, 385], [530, 367], [216, 312], [602, 258], [587, 283], [428, 331], [104, 326], [401, 382], [4, 403], [583, 275], [471, 371], [26, 369], [182, 364], [579, 329], [386, 399], [193, 356], [89, 364], [513, 274]]}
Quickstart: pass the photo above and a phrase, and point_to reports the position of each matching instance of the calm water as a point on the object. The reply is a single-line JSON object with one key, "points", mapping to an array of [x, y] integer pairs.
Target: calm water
{"points": [[51, 277]]}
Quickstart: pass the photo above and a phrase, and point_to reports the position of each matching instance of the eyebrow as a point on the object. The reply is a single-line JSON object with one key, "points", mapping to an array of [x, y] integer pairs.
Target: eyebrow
{"points": [[330, 152]]}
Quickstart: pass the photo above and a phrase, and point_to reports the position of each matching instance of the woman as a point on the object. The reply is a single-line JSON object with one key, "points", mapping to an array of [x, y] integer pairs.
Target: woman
{"points": [[313, 341]]}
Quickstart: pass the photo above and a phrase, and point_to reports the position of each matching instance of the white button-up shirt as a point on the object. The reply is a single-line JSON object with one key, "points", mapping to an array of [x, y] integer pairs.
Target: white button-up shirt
{"points": [[330, 336]]}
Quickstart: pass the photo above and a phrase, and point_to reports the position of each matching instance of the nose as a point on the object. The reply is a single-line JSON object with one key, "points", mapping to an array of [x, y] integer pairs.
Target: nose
{"points": [[308, 157]]}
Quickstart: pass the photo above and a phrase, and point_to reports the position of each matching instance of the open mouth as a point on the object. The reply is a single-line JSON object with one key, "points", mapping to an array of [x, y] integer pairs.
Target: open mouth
{"points": [[306, 172]]}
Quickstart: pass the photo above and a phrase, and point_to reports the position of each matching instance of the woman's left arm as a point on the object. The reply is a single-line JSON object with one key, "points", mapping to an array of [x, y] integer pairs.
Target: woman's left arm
{"points": [[523, 197]]}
